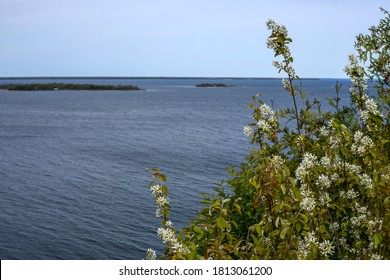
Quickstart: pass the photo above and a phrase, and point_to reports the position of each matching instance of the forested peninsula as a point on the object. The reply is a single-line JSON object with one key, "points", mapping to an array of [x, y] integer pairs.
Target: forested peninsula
{"points": [[65, 86]]}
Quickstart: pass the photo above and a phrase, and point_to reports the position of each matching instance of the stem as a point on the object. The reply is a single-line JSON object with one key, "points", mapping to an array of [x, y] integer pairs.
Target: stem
{"points": [[290, 79]]}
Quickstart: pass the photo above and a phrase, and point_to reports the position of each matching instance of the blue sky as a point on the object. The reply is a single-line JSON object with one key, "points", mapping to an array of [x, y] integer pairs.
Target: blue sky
{"points": [[223, 38]]}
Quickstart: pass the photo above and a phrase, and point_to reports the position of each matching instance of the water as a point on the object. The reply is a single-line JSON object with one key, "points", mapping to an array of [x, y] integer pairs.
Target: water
{"points": [[73, 183]]}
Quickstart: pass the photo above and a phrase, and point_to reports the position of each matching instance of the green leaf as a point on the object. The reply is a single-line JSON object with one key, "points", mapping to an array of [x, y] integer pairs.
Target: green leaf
{"points": [[221, 223], [281, 38], [284, 232], [198, 229], [164, 189], [377, 240], [283, 188], [238, 207], [304, 217], [163, 177], [258, 229]]}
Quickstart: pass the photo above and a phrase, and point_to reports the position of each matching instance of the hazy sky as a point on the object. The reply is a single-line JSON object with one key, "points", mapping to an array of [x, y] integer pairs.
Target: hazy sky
{"points": [[177, 37]]}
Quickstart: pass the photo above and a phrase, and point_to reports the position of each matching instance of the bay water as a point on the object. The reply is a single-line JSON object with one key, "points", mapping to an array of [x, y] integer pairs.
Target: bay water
{"points": [[73, 180]]}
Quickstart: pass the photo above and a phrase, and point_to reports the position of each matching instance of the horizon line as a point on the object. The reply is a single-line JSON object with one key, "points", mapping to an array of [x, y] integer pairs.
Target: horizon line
{"points": [[151, 77]]}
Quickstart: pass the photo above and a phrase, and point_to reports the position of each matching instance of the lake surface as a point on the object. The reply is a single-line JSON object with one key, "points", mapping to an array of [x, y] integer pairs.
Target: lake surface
{"points": [[73, 183]]}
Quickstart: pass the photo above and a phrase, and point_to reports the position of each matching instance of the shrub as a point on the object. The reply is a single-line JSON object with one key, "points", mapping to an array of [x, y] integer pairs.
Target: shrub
{"points": [[318, 190]]}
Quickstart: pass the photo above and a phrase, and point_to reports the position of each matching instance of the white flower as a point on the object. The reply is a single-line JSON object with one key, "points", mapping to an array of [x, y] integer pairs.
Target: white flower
{"points": [[308, 204], [177, 247], [311, 238], [362, 143], [150, 254], [156, 189], [375, 257], [334, 177], [334, 141], [248, 131], [162, 200], [353, 168], [168, 223], [266, 111], [323, 181], [364, 115], [309, 161], [351, 194], [167, 235], [325, 199], [326, 248], [324, 131], [365, 181], [325, 162], [277, 160], [286, 84], [372, 107], [333, 227], [159, 213], [263, 125]]}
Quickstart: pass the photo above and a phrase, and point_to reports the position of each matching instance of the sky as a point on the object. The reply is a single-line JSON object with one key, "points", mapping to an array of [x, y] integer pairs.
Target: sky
{"points": [[177, 38]]}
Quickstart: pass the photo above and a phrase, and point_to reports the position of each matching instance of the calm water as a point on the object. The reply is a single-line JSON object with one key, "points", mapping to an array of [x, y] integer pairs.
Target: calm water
{"points": [[73, 183]]}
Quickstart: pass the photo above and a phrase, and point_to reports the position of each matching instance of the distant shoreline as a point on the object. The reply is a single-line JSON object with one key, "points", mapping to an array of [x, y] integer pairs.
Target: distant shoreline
{"points": [[147, 78], [63, 86]]}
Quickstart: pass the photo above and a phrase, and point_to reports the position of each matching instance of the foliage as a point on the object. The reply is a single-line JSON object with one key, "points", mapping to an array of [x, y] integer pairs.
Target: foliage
{"points": [[320, 190]]}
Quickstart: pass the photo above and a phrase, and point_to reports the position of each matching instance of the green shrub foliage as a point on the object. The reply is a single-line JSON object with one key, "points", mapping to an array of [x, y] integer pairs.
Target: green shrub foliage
{"points": [[319, 190]]}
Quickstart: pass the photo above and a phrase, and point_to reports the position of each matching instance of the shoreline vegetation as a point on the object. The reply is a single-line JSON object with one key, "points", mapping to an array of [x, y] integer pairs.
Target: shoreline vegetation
{"points": [[213, 85], [64, 86]]}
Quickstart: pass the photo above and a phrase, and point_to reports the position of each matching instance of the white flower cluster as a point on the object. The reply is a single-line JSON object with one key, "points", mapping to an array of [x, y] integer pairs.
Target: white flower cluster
{"points": [[357, 75], [161, 200], [327, 129], [365, 181], [280, 31], [352, 194], [268, 121], [168, 236], [361, 144], [166, 233], [248, 131], [375, 224], [150, 254], [304, 245], [309, 161], [370, 109], [287, 85], [326, 162], [334, 227], [323, 181], [308, 202], [326, 248], [334, 141], [325, 199], [276, 29], [263, 125], [375, 257]]}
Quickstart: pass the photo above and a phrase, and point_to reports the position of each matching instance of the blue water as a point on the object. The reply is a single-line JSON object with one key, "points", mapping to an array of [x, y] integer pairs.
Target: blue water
{"points": [[73, 183]]}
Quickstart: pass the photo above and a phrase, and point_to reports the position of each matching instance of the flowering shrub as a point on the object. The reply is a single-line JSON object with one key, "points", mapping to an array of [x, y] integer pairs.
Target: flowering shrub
{"points": [[320, 190]]}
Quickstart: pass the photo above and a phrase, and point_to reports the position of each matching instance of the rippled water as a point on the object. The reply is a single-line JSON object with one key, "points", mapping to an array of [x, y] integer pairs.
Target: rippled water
{"points": [[73, 183]]}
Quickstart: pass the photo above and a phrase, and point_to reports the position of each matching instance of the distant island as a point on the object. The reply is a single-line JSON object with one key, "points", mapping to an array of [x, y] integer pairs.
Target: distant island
{"points": [[213, 85], [63, 86]]}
